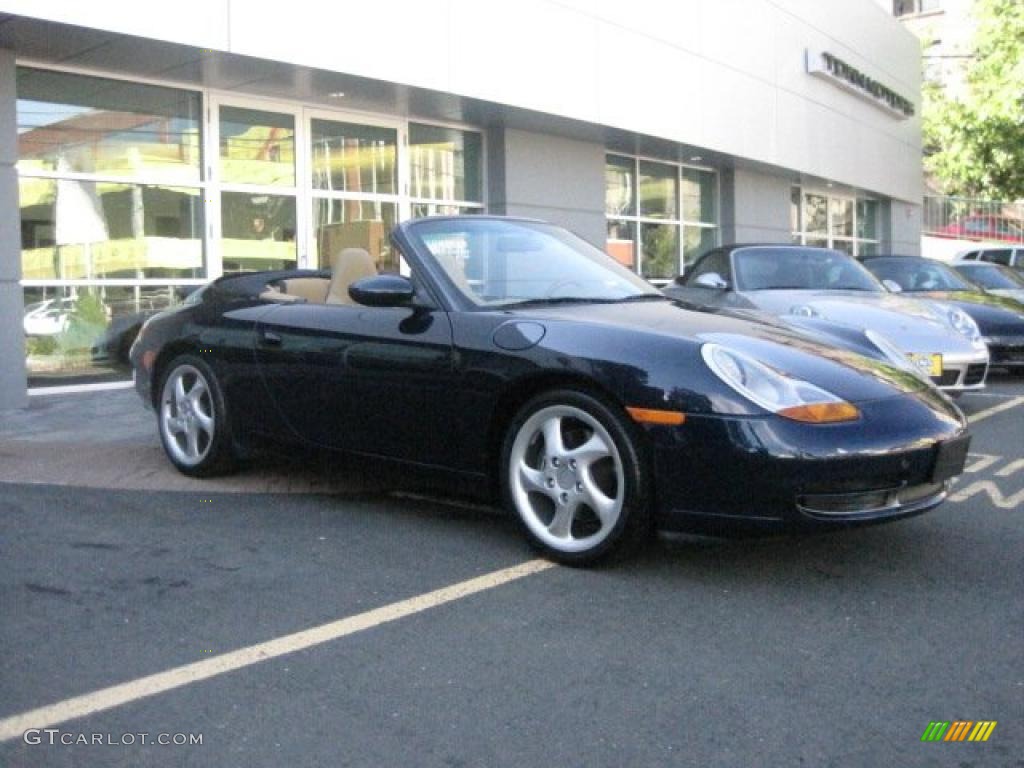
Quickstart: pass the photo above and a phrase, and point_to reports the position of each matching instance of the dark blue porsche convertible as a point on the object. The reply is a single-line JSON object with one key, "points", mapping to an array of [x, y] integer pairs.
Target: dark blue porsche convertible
{"points": [[512, 355]]}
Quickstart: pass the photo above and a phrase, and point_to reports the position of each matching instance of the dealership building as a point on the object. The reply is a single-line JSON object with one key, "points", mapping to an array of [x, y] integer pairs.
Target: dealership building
{"points": [[145, 150]]}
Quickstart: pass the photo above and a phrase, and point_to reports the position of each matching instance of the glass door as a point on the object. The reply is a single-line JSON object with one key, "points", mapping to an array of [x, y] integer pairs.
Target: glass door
{"points": [[356, 186], [255, 168]]}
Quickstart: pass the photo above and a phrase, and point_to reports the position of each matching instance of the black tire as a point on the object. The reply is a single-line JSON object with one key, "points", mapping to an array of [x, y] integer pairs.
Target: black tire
{"points": [[214, 453], [583, 527]]}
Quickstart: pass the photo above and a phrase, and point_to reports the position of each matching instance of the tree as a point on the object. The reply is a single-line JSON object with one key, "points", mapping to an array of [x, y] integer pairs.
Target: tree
{"points": [[975, 145]]}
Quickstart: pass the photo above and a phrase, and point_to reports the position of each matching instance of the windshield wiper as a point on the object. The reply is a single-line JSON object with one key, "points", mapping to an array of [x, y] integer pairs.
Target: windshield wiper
{"points": [[643, 297], [556, 300]]}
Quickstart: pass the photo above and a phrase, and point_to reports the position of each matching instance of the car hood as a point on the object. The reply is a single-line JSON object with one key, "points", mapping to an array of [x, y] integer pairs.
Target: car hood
{"points": [[847, 374], [914, 325], [993, 314], [1017, 294]]}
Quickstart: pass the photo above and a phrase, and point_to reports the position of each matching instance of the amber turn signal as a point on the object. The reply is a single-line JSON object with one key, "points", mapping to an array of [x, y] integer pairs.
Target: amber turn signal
{"points": [[821, 413], [148, 358], [650, 416]]}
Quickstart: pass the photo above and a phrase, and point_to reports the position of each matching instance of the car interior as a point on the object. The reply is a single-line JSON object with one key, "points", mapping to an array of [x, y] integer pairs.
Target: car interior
{"points": [[347, 266]]}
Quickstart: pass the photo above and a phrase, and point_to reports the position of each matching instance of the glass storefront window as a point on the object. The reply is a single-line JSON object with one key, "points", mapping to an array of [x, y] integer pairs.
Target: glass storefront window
{"points": [[842, 216], [698, 196], [620, 186], [660, 251], [113, 186], [846, 246], [80, 124], [867, 219], [445, 163], [90, 230], [422, 210], [659, 191], [339, 224], [257, 147], [696, 242], [84, 333], [354, 158], [816, 213], [621, 242], [636, 190], [258, 231], [851, 224]]}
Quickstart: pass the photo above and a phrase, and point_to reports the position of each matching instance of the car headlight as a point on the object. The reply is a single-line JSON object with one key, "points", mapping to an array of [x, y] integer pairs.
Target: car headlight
{"points": [[963, 324], [774, 391], [803, 310], [896, 356]]}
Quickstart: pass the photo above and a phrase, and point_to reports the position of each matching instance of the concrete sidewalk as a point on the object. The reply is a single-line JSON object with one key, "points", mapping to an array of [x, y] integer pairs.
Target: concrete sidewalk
{"points": [[107, 439]]}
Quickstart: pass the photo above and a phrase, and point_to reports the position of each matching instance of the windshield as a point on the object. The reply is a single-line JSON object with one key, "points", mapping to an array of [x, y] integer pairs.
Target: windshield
{"points": [[497, 262], [917, 275], [795, 268], [992, 276]]}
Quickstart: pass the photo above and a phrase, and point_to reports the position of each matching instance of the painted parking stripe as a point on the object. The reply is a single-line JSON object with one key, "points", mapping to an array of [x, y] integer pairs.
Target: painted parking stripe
{"points": [[994, 493], [124, 693], [1014, 466], [981, 415], [978, 462]]}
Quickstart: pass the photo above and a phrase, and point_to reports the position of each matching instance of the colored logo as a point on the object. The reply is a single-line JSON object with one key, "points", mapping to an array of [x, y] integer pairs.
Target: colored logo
{"points": [[959, 730]]}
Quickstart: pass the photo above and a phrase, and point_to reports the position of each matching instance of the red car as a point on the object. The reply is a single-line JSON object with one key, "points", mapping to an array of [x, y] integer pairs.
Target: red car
{"points": [[984, 227]]}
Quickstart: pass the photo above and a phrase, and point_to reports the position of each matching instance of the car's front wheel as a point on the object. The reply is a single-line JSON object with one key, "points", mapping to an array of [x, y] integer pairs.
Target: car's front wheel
{"points": [[573, 474], [192, 417]]}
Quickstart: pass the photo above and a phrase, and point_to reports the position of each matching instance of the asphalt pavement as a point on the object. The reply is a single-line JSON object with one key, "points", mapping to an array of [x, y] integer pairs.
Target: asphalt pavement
{"points": [[827, 650]]}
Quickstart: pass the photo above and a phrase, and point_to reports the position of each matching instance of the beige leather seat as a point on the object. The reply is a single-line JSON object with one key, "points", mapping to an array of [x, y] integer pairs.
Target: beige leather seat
{"points": [[312, 289], [349, 265]]}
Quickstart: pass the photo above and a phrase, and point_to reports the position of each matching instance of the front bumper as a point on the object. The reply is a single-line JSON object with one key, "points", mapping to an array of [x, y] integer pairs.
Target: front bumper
{"points": [[963, 373], [1006, 351], [723, 475]]}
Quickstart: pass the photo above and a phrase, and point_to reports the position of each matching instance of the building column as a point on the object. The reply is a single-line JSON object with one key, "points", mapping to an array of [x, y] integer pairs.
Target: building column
{"points": [[12, 303], [901, 228], [755, 207], [547, 177]]}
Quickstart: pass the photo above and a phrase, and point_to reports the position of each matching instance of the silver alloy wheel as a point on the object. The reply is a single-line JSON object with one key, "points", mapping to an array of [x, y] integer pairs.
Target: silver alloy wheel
{"points": [[566, 478], [187, 419]]}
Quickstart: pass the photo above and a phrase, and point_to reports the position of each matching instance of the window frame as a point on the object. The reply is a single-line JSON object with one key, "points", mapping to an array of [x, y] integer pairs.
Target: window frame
{"points": [[829, 238], [210, 186], [680, 222]]}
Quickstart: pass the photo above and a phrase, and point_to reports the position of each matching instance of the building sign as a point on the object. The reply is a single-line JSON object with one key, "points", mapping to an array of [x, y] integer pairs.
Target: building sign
{"points": [[835, 70]]}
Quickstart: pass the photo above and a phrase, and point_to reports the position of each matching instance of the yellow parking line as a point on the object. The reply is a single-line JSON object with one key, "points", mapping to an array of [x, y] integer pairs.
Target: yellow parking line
{"points": [[995, 409], [108, 698]]}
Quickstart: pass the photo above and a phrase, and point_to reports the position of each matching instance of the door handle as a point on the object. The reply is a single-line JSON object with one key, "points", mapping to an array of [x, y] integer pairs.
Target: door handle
{"points": [[270, 339]]}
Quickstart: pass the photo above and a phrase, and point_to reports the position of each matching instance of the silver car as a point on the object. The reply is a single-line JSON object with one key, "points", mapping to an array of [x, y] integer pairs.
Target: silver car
{"points": [[797, 283]]}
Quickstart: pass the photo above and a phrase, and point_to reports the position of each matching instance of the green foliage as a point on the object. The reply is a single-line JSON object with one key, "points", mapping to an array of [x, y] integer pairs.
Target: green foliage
{"points": [[40, 346], [86, 324], [975, 145], [661, 251]]}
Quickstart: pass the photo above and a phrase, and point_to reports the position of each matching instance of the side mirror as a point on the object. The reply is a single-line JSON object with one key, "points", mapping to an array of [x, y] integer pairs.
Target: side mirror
{"points": [[892, 286], [712, 280], [382, 291]]}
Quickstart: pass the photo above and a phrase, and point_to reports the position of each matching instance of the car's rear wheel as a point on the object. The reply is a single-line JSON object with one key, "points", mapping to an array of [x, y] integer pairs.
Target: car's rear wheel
{"points": [[572, 473], [192, 417]]}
